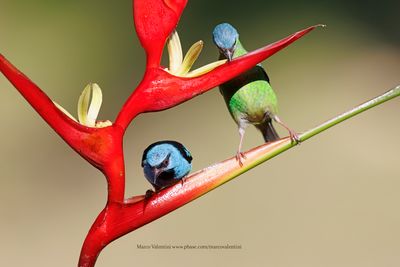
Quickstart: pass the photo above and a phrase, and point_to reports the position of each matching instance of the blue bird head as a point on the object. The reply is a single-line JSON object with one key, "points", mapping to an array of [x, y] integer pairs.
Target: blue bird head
{"points": [[165, 163], [225, 37]]}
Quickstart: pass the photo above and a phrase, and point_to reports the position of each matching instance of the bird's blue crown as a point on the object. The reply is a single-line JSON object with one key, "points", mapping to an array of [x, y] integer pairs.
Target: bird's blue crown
{"points": [[225, 36], [156, 153]]}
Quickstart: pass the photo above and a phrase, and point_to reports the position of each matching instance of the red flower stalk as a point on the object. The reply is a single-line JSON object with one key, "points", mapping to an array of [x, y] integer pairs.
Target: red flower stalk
{"points": [[155, 20]]}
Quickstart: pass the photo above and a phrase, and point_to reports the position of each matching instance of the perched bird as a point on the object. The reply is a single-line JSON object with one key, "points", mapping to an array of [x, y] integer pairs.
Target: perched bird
{"points": [[249, 96], [165, 163]]}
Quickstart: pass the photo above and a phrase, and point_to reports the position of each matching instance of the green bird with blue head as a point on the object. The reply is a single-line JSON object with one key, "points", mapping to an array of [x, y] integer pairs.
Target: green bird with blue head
{"points": [[249, 97]]}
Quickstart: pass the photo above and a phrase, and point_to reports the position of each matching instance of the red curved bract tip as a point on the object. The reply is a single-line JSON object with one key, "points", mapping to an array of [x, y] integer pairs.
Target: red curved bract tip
{"points": [[160, 90], [177, 90]]}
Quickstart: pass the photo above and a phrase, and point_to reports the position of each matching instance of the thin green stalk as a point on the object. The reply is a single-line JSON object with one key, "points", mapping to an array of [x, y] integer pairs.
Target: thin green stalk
{"points": [[395, 92], [283, 146]]}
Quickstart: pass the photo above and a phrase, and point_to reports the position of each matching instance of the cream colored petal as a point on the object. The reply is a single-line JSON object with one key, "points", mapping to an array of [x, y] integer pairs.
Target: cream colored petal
{"points": [[206, 68], [190, 57], [102, 124], [64, 111], [83, 104], [89, 104], [174, 52], [95, 104]]}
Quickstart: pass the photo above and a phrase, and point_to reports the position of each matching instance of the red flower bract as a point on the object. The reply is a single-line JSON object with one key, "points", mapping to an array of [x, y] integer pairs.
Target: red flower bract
{"points": [[158, 90]]}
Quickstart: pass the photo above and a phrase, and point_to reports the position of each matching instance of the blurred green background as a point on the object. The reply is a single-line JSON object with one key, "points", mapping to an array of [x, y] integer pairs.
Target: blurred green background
{"points": [[332, 201]]}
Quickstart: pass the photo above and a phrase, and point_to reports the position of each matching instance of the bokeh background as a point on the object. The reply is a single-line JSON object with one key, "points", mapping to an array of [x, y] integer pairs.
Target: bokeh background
{"points": [[332, 201]]}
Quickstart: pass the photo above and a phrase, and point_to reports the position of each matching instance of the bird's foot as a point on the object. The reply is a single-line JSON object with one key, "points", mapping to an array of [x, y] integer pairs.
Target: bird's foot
{"points": [[294, 137], [149, 194], [239, 157]]}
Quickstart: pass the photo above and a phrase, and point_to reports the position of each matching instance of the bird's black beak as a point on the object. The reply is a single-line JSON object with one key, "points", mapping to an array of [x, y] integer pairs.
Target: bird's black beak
{"points": [[229, 53], [156, 172]]}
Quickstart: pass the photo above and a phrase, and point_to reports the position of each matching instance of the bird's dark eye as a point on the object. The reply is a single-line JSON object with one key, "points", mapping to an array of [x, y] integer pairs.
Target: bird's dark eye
{"points": [[234, 44], [165, 162]]}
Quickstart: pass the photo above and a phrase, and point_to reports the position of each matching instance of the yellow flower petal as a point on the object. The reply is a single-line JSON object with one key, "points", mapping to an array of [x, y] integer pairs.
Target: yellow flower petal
{"points": [[88, 107], [205, 69], [64, 111], [190, 57], [83, 104], [102, 124], [95, 104], [89, 104], [181, 68], [174, 52]]}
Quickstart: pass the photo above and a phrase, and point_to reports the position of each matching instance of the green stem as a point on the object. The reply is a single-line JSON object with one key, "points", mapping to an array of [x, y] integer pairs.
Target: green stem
{"points": [[395, 92]]}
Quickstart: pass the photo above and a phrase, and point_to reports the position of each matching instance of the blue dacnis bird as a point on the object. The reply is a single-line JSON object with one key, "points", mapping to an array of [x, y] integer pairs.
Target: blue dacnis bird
{"points": [[249, 97], [165, 163]]}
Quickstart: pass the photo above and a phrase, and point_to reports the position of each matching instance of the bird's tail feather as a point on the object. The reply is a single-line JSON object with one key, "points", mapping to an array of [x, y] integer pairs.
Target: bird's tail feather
{"points": [[268, 131]]}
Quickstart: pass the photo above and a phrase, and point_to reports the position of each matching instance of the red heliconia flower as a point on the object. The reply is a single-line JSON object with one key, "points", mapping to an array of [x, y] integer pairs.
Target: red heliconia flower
{"points": [[101, 143]]}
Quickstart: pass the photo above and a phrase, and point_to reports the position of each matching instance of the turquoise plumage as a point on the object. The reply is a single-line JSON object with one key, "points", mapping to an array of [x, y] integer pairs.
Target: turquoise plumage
{"points": [[165, 163], [249, 97]]}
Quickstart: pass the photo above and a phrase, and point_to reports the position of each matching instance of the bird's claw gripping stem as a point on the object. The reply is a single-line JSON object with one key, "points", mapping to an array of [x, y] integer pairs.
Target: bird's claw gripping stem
{"points": [[294, 137], [239, 157]]}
